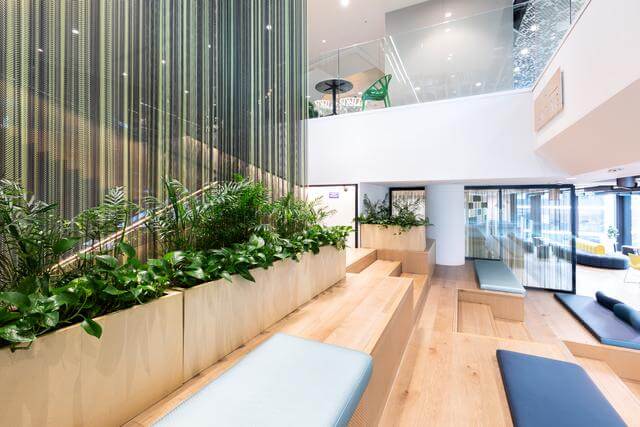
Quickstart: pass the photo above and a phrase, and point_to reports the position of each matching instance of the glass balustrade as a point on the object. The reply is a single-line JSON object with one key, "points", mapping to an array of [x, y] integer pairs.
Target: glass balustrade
{"points": [[500, 50]]}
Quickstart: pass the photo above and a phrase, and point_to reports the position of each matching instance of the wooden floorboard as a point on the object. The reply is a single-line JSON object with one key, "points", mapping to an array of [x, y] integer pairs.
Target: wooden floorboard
{"points": [[382, 268], [476, 319]]}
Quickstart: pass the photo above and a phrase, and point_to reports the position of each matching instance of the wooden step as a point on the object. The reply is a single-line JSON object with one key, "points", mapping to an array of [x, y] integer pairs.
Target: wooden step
{"points": [[615, 390], [420, 291], [360, 258], [382, 268], [476, 318], [511, 330], [366, 313]]}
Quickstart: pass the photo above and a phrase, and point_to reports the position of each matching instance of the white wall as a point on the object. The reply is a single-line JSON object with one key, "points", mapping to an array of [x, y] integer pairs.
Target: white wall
{"points": [[600, 58], [342, 201], [487, 137], [445, 209]]}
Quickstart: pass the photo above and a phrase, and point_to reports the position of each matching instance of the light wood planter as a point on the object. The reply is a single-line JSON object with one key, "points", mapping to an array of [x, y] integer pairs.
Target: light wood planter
{"points": [[69, 378], [220, 316], [392, 237]]}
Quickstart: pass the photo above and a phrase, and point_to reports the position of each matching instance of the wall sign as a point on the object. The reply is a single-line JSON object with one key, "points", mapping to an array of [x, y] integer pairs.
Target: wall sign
{"points": [[334, 195], [550, 102]]}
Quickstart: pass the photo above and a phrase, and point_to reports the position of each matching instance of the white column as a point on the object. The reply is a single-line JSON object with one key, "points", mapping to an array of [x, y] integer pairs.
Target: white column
{"points": [[445, 209]]}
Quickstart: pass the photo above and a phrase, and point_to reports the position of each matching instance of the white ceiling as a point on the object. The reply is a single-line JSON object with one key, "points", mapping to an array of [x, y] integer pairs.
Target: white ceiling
{"points": [[360, 21]]}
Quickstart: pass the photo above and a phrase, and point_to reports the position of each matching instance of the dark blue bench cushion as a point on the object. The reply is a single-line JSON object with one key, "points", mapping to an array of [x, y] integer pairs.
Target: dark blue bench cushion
{"points": [[496, 276], [612, 261], [602, 323], [545, 392], [286, 381]]}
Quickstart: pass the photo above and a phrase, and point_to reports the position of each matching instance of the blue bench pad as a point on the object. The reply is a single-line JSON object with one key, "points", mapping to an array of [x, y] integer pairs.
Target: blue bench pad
{"points": [[602, 323], [285, 381], [546, 392], [496, 276]]}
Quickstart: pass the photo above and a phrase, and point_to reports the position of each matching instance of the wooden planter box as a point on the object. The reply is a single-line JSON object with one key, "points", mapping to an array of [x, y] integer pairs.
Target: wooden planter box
{"points": [[69, 378], [392, 237], [220, 316]]}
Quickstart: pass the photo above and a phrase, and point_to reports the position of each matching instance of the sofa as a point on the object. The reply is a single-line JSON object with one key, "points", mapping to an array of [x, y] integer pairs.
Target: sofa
{"points": [[612, 261]]}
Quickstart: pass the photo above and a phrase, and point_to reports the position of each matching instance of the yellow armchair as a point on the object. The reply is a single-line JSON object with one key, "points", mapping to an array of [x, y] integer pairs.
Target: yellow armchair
{"points": [[634, 263]]}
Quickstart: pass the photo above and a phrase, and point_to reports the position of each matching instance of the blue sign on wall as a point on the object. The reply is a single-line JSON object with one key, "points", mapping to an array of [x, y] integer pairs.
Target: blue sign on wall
{"points": [[334, 195]]}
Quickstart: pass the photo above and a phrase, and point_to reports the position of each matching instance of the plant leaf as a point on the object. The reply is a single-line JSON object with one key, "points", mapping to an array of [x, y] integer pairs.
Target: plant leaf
{"points": [[12, 333], [127, 249], [16, 299], [64, 245], [108, 261], [91, 327]]}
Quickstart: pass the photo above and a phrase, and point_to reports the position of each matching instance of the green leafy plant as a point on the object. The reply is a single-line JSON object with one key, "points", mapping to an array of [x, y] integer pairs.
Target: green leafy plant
{"points": [[289, 215], [32, 239], [405, 215]]}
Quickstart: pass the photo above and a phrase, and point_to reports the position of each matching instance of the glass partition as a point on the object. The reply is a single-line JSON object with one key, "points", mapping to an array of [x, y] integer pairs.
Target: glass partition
{"points": [[635, 220], [530, 229], [499, 50]]}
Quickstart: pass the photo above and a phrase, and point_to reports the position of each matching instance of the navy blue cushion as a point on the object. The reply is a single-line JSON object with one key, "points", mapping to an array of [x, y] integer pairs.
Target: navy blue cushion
{"points": [[612, 261], [546, 392], [628, 314], [602, 323], [606, 301]]}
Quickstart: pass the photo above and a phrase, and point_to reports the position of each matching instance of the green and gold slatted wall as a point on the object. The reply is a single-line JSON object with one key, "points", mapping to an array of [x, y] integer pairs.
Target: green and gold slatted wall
{"points": [[100, 93], [262, 83]]}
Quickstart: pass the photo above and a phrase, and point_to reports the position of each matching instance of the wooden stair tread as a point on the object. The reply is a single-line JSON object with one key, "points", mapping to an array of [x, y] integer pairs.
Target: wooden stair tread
{"points": [[474, 318], [382, 268], [615, 390], [360, 258], [353, 313]]}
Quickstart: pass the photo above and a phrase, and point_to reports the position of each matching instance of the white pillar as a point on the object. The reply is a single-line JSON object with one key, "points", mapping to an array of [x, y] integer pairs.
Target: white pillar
{"points": [[445, 209]]}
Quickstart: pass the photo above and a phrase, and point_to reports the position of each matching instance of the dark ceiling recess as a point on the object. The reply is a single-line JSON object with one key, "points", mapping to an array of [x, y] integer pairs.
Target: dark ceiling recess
{"points": [[626, 182], [519, 9]]}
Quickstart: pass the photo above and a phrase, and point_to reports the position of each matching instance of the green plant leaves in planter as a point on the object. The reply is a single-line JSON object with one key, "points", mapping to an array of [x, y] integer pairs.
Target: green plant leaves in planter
{"points": [[405, 216]]}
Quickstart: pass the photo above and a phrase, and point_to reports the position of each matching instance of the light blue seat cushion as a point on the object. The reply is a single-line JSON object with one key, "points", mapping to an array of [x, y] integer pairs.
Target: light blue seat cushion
{"points": [[496, 276], [545, 392], [601, 321], [286, 381]]}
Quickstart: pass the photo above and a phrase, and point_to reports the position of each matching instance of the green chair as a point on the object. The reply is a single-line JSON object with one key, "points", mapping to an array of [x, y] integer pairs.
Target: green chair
{"points": [[379, 91], [313, 113]]}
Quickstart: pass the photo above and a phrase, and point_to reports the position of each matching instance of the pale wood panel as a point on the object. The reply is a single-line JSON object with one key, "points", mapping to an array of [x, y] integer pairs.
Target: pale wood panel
{"points": [[221, 316], [420, 291], [417, 262], [70, 378], [392, 237], [382, 269], [475, 319], [634, 386], [511, 330], [360, 258], [614, 389], [503, 305], [625, 362]]}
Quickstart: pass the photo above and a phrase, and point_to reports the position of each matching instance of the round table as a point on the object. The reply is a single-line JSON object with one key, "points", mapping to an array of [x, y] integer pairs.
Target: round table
{"points": [[334, 87]]}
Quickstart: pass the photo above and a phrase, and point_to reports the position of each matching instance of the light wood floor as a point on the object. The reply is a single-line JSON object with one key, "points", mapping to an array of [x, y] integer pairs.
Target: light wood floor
{"points": [[451, 378]]}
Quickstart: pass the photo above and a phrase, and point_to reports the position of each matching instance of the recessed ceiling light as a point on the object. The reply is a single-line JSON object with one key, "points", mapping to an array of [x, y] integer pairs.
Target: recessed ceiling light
{"points": [[524, 51], [448, 14], [478, 84], [344, 3], [186, 92], [614, 170], [40, 50], [163, 62], [446, 30], [269, 27], [209, 46], [324, 41], [534, 27], [124, 74], [359, 93], [417, 88], [453, 76], [75, 31]]}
